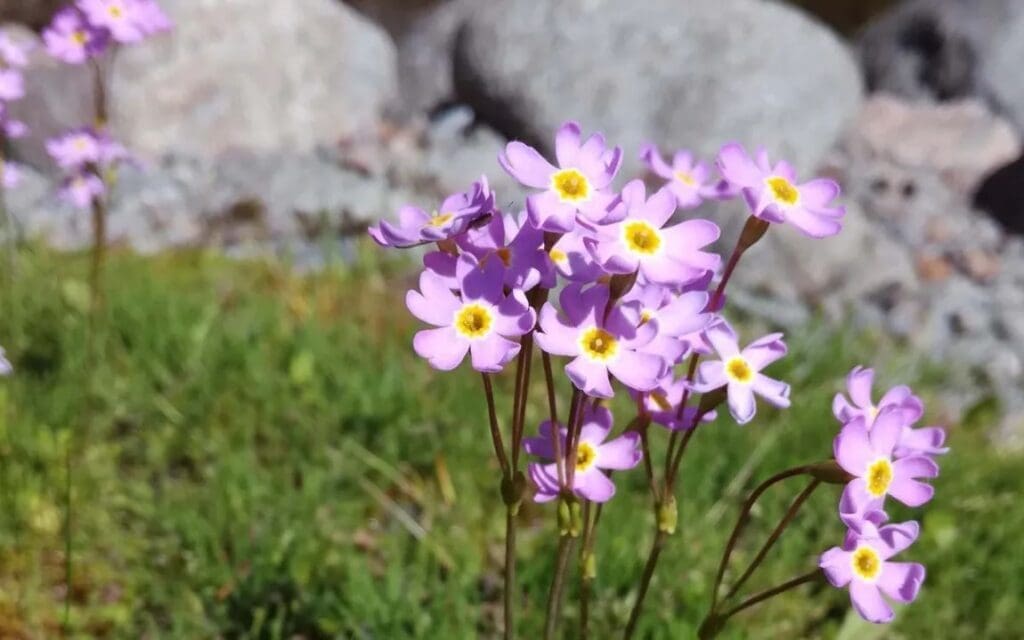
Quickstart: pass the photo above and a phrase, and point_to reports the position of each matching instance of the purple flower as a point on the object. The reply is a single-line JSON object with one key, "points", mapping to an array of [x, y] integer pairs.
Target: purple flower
{"points": [[577, 186], [593, 455], [773, 194], [740, 371], [480, 321], [416, 226], [10, 174], [600, 341], [669, 255], [675, 317], [150, 18], [12, 85], [80, 189], [662, 405], [687, 179], [72, 39], [116, 16], [13, 54], [75, 149], [571, 258], [868, 456], [5, 365], [519, 246], [863, 563]]}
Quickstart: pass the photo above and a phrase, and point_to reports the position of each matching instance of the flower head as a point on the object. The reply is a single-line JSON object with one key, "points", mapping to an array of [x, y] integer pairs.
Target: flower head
{"points": [[773, 193], [479, 321], [740, 371], [869, 457], [519, 247], [863, 563], [457, 212], [674, 317], [79, 189], [670, 256], [76, 149], [593, 456], [119, 17], [571, 258], [689, 180], [600, 341], [13, 54], [662, 405], [578, 188], [72, 39]]}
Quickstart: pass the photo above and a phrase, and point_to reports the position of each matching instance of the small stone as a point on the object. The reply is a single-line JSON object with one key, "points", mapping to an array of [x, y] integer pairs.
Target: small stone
{"points": [[981, 265], [933, 268]]}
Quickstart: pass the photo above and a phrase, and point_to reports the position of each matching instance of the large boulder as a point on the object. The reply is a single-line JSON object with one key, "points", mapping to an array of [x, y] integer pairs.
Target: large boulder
{"points": [[34, 13], [696, 74], [238, 74]]}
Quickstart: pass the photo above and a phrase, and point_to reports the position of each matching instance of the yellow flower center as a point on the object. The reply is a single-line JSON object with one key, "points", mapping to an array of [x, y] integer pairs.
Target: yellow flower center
{"points": [[738, 369], [115, 11], [641, 237], [571, 185], [79, 37], [685, 178], [439, 219], [557, 255], [783, 191], [661, 400], [878, 477], [866, 563], [645, 317], [598, 344], [585, 456], [473, 320]]}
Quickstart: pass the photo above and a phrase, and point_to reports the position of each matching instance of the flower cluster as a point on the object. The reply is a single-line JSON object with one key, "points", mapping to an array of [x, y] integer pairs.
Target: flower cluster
{"points": [[887, 457], [636, 301], [13, 59], [79, 33]]}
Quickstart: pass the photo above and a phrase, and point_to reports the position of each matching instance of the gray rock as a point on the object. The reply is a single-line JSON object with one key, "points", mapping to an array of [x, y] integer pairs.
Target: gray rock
{"points": [[697, 76], [33, 13], [1001, 73], [249, 74]]}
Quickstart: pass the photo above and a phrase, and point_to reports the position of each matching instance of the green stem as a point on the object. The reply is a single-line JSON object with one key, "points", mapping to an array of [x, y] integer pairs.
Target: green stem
{"points": [[492, 415], [790, 514], [645, 582], [510, 571], [565, 544], [713, 624]]}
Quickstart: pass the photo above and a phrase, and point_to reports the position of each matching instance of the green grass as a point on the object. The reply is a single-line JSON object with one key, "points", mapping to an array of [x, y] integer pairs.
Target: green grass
{"points": [[259, 455]]}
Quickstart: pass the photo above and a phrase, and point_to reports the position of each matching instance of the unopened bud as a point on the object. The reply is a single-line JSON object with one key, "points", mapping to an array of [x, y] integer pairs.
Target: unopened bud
{"points": [[668, 515], [576, 519], [512, 490], [589, 565], [753, 230], [829, 472], [564, 517]]}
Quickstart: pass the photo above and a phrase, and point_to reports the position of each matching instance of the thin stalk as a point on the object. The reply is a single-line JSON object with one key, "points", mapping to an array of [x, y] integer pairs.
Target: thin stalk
{"points": [[67, 538], [518, 426], [565, 544], [510, 572], [757, 598], [549, 381], [648, 467], [741, 522], [499, 446], [575, 412], [673, 470], [790, 514], [586, 580], [645, 582]]}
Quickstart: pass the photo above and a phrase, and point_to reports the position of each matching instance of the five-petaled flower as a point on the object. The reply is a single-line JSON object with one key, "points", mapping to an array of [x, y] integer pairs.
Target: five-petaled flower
{"points": [[593, 455], [864, 564], [577, 189], [664, 255], [601, 340], [773, 193], [457, 212], [689, 179], [480, 320], [740, 371]]}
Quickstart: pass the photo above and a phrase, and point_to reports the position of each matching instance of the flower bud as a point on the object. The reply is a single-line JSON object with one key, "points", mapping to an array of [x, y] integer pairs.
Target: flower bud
{"points": [[829, 472], [668, 515], [753, 230]]}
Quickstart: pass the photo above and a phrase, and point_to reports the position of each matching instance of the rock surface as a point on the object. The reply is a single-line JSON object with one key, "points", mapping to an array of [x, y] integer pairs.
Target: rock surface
{"points": [[698, 76], [32, 13]]}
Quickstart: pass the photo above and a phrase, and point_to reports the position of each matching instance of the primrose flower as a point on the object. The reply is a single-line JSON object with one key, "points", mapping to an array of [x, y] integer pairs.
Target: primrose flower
{"points": [[639, 242], [688, 179], [868, 456], [600, 341], [577, 186], [772, 192], [480, 322], [571, 258], [75, 149], [416, 226], [70, 38], [5, 365], [150, 17], [80, 189], [593, 455], [863, 563], [10, 174], [12, 85], [662, 405], [519, 246], [128, 21], [740, 371], [674, 316], [12, 54]]}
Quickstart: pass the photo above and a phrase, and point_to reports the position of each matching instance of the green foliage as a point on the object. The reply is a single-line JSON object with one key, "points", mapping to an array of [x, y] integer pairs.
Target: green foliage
{"points": [[259, 455]]}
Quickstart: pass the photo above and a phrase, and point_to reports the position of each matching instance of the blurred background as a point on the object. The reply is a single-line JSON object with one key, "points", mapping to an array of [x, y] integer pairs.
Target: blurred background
{"points": [[260, 454]]}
